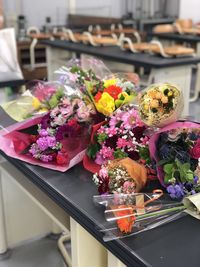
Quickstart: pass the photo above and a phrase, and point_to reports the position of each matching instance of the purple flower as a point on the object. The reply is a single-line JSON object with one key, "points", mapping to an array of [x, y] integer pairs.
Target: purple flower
{"points": [[196, 179], [43, 132], [46, 158], [34, 149], [51, 140], [175, 191], [42, 143]]}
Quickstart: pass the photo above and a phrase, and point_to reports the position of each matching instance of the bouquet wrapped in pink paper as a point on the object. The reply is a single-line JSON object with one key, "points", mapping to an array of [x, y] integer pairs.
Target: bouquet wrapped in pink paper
{"points": [[176, 151], [56, 140]]}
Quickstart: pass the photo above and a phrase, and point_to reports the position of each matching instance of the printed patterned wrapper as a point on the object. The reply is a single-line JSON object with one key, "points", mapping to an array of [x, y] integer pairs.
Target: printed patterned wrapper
{"points": [[16, 140]]}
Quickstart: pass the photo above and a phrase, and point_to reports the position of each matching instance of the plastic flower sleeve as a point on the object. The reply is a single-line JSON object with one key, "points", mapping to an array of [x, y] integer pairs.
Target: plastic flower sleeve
{"points": [[160, 104], [41, 97], [133, 213]]}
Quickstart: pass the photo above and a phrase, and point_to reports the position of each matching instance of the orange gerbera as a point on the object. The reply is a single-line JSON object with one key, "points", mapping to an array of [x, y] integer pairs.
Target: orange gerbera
{"points": [[97, 96], [113, 91], [125, 224]]}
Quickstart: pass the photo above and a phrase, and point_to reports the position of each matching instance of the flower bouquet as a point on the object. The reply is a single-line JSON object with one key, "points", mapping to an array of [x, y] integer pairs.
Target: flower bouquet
{"points": [[160, 104], [107, 91], [56, 140], [176, 150], [121, 176], [130, 214], [39, 99], [122, 135]]}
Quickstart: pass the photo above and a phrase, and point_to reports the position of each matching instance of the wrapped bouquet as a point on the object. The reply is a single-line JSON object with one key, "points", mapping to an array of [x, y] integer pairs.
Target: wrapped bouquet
{"points": [[176, 150], [160, 104], [56, 140], [122, 135], [41, 97], [107, 91]]}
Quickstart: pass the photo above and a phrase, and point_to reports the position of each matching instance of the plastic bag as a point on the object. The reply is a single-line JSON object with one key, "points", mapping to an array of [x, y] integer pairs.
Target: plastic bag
{"points": [[9, 66], [130, 214]]}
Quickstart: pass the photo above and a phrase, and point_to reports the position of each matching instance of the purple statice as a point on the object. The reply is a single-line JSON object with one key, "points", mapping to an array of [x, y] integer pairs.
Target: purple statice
{"points": [[51, 140], [43, 132], [46, 158], [34, 150], [42, 143], [176, 191]]}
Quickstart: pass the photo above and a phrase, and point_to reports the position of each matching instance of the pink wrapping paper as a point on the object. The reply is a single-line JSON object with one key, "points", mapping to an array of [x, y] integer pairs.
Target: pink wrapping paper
{"points": [[13, 142]]}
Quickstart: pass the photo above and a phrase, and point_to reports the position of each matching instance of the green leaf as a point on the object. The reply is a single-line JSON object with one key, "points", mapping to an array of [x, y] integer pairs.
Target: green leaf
{"points": [[101, 138], [168, 168], [162, 162], [118, 154], [167, 178], [92, 150]]}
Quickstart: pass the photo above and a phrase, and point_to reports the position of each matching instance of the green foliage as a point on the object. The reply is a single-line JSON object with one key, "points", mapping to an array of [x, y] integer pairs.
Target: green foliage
{"points": [[144, 154], [101, 138], [118, 154], [92, 150], [55, 99], [180, 171]]}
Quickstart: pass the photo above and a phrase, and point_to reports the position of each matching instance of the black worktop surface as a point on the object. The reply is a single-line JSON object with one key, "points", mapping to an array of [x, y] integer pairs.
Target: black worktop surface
{"points": [[175, 244], [177, 37], [114, 53]]}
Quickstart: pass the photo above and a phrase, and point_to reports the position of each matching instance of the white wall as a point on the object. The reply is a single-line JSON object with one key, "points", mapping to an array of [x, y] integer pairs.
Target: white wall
{"points": [[37, 10], [190, 9]]}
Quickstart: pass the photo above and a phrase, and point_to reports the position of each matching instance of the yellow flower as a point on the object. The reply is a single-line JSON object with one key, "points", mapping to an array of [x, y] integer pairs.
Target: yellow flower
{"points": [[42, 110], [106, 104], [36, 103], [110, 82]]}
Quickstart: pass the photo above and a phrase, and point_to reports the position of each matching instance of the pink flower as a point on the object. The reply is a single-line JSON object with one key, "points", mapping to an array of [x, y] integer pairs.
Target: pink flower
{"points": [[121, 143], [103, 172], [129, 187], [104, 154], [131, 119], [144, 140], [195, 151], [111, 131]]}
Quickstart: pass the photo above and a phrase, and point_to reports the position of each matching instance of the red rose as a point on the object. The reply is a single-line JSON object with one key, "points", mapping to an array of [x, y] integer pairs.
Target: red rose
{"points": [[195, 151], [113, 91], [62, 158]]}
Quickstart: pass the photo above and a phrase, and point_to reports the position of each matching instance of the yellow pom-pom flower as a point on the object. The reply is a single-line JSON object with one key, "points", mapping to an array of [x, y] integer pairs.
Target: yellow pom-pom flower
{"points": [[109, 82]]}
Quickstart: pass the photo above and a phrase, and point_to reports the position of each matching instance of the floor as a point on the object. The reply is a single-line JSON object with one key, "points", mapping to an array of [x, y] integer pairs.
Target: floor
{"points": [[40, 253]]}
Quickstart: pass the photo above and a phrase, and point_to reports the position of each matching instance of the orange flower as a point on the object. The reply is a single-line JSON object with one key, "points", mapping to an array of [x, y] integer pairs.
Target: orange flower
{"points": [[113, 91], [97, 96], [125, 224]]}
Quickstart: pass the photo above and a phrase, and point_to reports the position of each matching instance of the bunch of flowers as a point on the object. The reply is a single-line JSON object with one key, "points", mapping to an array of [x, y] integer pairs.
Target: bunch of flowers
{"points": [[120, 176], [107, 94], [68, 121], [160, 104], [41, 98], [178, 158], [122, 135]]}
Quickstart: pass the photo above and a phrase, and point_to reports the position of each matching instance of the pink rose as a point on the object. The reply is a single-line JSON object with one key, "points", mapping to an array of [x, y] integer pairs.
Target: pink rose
{"points": [[195, 151]]}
